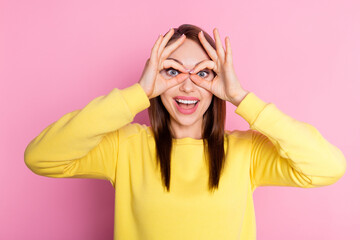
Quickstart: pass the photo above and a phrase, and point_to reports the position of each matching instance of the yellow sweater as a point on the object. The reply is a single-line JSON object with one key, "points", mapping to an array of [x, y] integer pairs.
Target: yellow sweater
{"points": [[99, 141]]}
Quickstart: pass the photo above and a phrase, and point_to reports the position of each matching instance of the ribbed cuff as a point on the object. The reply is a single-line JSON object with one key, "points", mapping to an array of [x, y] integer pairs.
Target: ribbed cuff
{"points": [[136, 98], [250, 107]]}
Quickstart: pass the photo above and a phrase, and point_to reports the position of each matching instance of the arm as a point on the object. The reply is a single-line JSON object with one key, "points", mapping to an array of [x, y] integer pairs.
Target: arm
{"points": [[84, 143], [287, 152]]}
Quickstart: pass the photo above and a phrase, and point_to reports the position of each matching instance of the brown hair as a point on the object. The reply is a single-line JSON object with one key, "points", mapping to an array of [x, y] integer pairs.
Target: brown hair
{"points": [[212, 127]]}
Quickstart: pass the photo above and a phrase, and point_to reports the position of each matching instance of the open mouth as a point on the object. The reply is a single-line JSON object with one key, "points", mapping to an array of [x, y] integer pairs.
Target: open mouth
{"points": [[186, 104]]}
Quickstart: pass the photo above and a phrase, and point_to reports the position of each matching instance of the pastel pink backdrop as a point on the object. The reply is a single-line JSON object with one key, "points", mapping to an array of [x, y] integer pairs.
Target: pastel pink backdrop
{"points": [[56, 56]]}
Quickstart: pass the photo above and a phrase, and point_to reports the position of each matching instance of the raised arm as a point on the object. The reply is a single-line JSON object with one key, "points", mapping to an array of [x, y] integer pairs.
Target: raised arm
{"points": [[287, 152], [84, 143]]}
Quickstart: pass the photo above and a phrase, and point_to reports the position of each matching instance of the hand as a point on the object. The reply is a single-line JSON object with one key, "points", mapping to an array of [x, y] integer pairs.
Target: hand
{"points": [[225, 85], [151, 80]]}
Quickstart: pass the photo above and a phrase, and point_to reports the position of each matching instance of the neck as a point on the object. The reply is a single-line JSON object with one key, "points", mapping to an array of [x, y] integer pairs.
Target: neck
{"points": [[181, 131]]}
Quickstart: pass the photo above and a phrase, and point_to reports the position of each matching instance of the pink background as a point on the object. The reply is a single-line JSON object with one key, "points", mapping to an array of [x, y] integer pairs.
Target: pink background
{"points": [[56, 56]]}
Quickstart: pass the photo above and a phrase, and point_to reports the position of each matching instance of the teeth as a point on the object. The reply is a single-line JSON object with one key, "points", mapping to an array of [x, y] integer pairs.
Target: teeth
{"points": [[186, 101]]}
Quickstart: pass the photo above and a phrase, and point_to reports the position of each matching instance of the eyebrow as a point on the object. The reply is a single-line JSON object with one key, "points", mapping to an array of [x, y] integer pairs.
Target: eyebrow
{"points": [[183, 64]]}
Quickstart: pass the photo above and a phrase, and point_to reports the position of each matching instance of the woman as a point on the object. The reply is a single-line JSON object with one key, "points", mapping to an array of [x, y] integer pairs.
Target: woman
{"points": [[206, 191]]}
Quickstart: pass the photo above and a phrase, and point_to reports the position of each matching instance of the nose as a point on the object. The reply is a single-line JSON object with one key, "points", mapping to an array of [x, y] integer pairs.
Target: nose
{"points": [[187, 85]]}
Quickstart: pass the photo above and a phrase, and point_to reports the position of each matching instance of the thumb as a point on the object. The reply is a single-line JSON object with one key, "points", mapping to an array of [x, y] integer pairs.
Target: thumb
{"points": [[201, 82], [177, 80]]}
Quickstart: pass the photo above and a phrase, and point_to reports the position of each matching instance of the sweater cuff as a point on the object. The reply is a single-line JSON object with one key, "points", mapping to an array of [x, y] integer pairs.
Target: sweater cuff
{"points": [[250, 107], [135, 98]]}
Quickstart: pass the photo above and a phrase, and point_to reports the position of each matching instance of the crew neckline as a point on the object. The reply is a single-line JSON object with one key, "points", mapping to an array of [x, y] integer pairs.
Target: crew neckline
{"points": [[188, 140]]}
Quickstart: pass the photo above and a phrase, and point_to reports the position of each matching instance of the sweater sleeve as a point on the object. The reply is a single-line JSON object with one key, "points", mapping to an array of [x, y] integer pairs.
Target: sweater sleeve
{"points": [[85, 143], [287, 152]]}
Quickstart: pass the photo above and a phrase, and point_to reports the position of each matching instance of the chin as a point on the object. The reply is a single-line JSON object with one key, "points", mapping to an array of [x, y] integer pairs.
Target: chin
{"points": [[187, 120]]}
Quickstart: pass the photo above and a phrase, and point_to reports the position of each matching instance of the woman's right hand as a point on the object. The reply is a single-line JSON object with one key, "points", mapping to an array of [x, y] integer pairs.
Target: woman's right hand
{"points": [[151, 79]]}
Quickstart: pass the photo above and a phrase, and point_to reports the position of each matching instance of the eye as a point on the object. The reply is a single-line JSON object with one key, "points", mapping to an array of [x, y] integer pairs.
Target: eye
{"points": [[204, 75], [171, 70]]}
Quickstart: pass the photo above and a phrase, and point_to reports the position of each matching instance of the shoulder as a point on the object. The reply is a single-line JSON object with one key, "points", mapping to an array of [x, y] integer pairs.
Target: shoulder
{"points": [[238, 144], [250, 137], [238, 135], [131, 130]]}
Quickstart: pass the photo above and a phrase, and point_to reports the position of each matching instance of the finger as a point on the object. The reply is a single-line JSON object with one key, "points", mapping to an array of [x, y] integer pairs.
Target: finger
{"points": [[209, 49], [219, 48], [206, 64], [228, 54], [154, 50], [165, 41], [201, 82], [167, 63], [177, 80], [169, 49]]}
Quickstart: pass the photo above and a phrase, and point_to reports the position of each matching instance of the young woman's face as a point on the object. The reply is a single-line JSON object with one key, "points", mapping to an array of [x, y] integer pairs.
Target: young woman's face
{"points": [[189, 53]]}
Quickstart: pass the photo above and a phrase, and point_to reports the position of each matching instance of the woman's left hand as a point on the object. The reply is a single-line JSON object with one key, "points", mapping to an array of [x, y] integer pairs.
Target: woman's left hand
{"points": [[225, 85]]}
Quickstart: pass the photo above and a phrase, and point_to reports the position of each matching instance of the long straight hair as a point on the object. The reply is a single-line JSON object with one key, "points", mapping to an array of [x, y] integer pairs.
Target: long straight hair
{"points": [[212, 127]]}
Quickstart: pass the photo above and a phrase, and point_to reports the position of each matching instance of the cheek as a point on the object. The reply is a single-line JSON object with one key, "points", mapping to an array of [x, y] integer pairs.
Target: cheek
{"points": [[209, 97], [207, 102], [162, 99], [166, 102]]}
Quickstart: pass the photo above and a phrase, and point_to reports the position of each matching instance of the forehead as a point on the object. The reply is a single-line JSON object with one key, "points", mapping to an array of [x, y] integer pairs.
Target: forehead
{"points": [[189, 53]]}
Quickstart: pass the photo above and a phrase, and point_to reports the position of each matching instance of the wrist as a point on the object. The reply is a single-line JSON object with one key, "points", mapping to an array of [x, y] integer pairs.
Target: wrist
{"points": [[237, 100], [143, 89]]}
